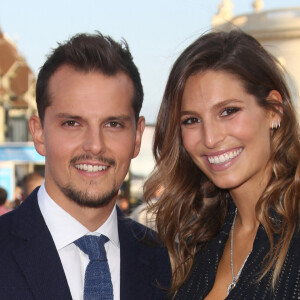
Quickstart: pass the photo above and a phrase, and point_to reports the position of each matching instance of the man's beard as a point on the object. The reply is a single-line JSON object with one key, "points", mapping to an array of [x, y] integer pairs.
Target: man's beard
{"points": [[85, 200]]}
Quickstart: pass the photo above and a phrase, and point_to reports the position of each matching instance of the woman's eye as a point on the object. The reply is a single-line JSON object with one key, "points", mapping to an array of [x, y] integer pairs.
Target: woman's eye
{"points": [[190, 121], [229, 111]]}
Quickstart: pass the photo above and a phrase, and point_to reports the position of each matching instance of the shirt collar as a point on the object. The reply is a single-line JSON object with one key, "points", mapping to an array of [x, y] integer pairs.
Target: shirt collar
{"points": [[65, 229]]}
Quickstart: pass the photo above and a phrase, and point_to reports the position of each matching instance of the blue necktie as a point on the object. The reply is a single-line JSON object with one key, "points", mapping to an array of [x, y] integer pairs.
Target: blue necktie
{"points": [[97, 281]]}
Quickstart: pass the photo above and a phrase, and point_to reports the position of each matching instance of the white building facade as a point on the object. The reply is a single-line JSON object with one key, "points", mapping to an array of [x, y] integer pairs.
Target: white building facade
{"points": [[277, 30]]}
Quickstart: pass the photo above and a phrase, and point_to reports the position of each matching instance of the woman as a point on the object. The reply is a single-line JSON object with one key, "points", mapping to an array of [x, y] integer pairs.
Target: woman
{"points": [[227, 152]]}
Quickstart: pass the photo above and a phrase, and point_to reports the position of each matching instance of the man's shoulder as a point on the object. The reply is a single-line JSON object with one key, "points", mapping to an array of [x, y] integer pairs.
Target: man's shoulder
{"points": [[23, 219], [136, 229], [141, 249], [139, 236], [5, 223]]}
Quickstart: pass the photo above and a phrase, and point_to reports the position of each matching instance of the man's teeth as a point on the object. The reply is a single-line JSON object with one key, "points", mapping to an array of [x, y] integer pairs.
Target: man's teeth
{"points": [[220, 159], [90, 168]]}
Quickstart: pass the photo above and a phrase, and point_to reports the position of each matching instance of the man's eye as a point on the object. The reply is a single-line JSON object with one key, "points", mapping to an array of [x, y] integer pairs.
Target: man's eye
{"points": [[229, 111], [114, 124], [70, 123], [190, 121]]}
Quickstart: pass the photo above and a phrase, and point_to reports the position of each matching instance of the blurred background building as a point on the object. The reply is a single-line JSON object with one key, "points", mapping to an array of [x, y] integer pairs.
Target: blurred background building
{"points": [[17, 103], [17, 93], [278, 30]]}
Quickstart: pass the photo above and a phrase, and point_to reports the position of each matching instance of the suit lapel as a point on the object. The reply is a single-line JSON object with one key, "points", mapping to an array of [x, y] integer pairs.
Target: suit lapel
{"points": [[136, 269], [37, 256]]}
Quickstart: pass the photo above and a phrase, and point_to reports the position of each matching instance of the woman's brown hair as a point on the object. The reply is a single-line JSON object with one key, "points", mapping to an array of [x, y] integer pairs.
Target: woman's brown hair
{"points": [[191, 210]]}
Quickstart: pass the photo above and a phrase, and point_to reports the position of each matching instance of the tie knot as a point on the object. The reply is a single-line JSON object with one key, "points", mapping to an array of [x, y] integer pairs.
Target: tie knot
{"points": [[93, 246]]}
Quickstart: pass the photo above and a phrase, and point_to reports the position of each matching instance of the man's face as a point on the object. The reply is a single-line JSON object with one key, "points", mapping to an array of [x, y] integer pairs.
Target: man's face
{"points": [[89, 136]]}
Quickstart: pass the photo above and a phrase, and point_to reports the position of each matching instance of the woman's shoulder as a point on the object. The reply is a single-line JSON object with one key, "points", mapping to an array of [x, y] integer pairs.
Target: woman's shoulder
{"points": [[293, 254], [295, 242]]}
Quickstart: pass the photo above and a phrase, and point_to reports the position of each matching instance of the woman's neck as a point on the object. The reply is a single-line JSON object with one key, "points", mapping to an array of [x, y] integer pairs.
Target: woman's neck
{"points": [[245, 197], [245, 201]]}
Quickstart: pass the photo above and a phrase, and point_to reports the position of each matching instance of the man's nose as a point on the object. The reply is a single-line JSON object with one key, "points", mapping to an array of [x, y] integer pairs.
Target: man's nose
{"points": [[94, 141]]}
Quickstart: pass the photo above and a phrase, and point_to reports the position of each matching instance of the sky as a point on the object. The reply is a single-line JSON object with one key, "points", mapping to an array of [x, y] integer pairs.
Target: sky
{"points": [[157, 31]]}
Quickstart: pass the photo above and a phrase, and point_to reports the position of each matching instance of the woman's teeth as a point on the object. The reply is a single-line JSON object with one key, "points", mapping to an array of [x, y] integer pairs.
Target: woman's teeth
{"points": [[220, 159]]}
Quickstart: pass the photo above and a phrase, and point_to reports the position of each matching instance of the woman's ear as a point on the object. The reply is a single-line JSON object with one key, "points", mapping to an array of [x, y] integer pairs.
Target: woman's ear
{"points": [[275, 117], [37, 132]]}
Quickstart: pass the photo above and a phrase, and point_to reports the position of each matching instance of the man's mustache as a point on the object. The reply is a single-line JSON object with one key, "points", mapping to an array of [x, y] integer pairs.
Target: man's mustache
{"points": [[99, 158]]}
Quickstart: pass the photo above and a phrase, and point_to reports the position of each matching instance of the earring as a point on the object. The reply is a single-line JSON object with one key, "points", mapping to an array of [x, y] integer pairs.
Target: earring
{"points": [[275, 125]]}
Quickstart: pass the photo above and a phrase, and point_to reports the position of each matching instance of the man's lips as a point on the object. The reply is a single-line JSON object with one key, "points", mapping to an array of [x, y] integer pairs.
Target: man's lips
{"points": [[91, 168], [86, 159], [91, 164]]}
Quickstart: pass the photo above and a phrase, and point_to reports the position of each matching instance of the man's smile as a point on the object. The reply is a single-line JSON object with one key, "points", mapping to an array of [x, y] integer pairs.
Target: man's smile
{"points": [[91, 168]]}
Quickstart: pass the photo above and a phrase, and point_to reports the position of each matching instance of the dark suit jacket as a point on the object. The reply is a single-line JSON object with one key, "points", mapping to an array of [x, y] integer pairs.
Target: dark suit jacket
{"points": [[30, 267]]}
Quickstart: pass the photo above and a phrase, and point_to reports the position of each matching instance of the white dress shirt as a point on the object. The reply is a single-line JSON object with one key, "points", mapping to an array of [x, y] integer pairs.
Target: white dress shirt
{"points": [[65, 230]]}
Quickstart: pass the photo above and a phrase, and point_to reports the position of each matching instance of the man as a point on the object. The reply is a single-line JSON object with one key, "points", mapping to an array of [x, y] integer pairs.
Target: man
{"points": [[89, 96], [29, 182], [3, 199]]}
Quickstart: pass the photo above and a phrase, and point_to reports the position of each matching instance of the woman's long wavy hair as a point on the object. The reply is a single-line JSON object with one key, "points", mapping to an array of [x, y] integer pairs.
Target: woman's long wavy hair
{"points": [[191, 210]]}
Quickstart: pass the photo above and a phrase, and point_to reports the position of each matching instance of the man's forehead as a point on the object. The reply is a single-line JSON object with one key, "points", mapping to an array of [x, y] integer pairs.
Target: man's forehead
{"points": [[66, 70], [67, 74], [69, 88]]}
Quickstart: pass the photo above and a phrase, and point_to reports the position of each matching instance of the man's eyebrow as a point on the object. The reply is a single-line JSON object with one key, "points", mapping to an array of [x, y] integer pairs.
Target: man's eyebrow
{"points": [[119, 117], [110, 118], [68, 116]]}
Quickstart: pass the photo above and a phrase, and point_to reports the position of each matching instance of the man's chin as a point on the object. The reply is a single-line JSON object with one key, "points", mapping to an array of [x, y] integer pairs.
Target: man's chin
{"points": [[86, 199]]}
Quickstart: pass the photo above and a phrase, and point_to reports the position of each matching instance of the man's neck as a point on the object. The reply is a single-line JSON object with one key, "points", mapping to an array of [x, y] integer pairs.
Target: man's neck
{"points": [[89, 217]]}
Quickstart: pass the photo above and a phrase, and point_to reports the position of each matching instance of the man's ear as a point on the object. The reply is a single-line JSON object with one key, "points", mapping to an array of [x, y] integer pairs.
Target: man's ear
{"points": [[37, 132], [275, 117], [138, 137]]}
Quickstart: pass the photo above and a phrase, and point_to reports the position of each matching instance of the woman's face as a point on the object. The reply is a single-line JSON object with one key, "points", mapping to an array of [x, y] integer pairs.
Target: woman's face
{"points": [[224, 130]]}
